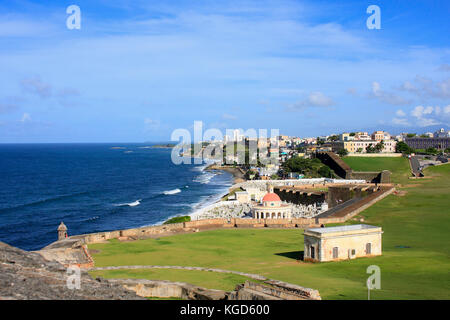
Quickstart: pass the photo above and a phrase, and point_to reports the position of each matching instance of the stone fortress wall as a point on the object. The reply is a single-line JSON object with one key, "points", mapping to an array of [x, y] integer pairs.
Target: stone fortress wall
{"points": [[343, 170], [72, 250], [338, 214], [249, 290]]}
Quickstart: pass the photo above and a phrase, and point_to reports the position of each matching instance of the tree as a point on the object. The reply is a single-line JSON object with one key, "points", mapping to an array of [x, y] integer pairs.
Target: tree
{"points": [[307, 167], [447, 150], [410, 135], [319, 141], [402, 147], [379, 146], [333, 138], [431, 151], [301, 149], [297, 164], [371, 149], [325, 171], [274, 177], [343, 152], [359, 150]]}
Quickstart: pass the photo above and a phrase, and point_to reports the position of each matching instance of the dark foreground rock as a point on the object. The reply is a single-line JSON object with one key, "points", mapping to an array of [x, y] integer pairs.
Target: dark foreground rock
{"points": [[27, 275]]}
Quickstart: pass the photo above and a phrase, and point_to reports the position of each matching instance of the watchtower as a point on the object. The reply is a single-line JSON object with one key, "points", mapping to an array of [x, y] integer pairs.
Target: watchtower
{"points": [[62, 231]]}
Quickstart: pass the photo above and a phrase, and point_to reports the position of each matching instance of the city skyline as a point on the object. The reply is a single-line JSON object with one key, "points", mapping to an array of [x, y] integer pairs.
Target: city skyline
{"points": [[136, 72]]}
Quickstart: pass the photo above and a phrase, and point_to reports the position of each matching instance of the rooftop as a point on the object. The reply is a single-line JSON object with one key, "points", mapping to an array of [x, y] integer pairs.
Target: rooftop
{"points": [[271, 197], [342, 228]]}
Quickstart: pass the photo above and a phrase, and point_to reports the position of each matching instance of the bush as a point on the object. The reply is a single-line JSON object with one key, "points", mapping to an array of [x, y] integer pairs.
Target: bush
{"points": [[178, 219], [325, 171]]}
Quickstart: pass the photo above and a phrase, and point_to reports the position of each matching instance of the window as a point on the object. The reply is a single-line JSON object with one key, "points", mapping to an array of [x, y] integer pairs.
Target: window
{"points": [[368, 248], [335, 252], [312, 252]]}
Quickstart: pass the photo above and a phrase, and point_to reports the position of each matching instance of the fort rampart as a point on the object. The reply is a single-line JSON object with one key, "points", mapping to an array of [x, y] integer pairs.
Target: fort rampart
{"points": [[337, 216]]}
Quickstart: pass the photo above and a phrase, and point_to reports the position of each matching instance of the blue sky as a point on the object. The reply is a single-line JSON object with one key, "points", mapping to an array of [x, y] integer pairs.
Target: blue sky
{"points": [[137, 70]]}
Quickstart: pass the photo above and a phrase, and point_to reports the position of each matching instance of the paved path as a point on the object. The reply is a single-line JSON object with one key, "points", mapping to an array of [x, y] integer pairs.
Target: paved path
{"points": [[248, 275], [415, 166]]}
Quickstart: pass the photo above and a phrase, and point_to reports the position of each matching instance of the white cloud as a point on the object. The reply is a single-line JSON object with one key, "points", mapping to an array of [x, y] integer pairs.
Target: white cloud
{"points": [[428, 116], [36, 86], [400, 121], [385, 96], [314, 99], [424, 87], [400, 113], [446, 109], [26, 117], [423, 116], [318, 99], [421, 111], [425, 122]]}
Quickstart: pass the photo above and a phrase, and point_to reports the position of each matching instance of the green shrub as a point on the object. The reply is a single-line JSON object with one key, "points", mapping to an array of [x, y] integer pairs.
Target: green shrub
{"points": [[178, 219]]}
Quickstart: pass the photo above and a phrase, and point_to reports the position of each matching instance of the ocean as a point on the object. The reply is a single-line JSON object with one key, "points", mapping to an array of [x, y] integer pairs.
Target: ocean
{"points": [[96, 187]]}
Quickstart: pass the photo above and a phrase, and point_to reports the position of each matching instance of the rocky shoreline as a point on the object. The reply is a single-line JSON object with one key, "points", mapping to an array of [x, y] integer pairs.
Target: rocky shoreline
{"points": [[238, 175]]}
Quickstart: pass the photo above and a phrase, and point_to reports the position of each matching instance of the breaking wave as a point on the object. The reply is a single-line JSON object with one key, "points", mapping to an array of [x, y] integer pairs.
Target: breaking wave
{"points": [[131, 204], [174, 191]]}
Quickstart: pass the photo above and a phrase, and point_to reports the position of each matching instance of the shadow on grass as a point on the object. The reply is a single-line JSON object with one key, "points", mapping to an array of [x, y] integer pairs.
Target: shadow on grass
{"points": [[296, 255]]}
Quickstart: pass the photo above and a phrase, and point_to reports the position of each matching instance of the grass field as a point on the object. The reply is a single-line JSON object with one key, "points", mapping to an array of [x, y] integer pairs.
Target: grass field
{"points": [[399, 167], [214, 280], [415, 263]]}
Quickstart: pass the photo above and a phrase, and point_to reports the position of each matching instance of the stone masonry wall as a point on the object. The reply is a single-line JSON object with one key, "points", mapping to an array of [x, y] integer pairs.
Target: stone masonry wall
{"points": [[207, 224]]}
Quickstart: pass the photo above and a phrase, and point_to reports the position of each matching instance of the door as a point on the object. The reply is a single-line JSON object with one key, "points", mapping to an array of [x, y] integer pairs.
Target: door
{"points": [[368, 248], [335, 252]]}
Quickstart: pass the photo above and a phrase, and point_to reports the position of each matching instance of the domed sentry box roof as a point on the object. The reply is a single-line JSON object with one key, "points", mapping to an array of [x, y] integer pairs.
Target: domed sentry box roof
{"points": [[62, 227], [271, 197]]}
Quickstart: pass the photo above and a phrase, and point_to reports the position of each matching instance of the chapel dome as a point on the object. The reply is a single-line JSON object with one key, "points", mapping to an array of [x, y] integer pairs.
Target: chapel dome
{"points": [[271, 197]]}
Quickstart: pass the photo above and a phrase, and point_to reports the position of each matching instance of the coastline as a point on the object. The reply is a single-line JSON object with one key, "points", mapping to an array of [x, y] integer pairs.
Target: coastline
{"points": [[218, 197], [212, 200], [238, 176]]}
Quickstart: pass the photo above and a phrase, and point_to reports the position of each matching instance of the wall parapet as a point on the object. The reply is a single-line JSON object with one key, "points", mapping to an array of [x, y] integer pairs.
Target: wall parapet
{"points": [[338, 216]]}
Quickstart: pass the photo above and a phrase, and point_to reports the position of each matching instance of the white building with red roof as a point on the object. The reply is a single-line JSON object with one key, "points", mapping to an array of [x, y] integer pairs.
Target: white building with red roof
{"points": [[271, 207]]}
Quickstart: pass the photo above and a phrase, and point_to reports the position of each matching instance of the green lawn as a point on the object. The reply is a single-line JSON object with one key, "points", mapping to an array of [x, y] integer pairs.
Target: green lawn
{"points": [[212, 280], [417, 220], [399, 167]]}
